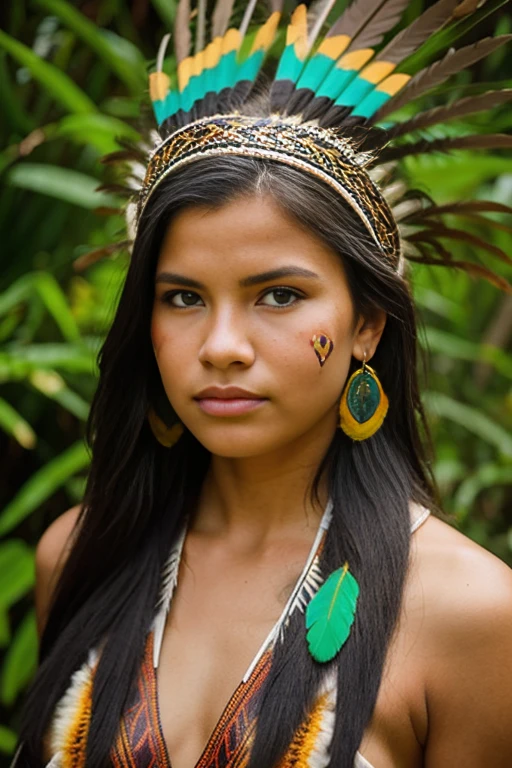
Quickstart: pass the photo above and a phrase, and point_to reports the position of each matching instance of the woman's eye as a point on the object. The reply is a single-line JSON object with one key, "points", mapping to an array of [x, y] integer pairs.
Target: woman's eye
{"points": [[282, 297], [181, 299]]}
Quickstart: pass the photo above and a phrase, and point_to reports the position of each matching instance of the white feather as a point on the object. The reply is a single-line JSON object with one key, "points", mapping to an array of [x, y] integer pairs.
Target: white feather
{"points": [[309, 577], [319, 757], [67, 706], [168, 585]]}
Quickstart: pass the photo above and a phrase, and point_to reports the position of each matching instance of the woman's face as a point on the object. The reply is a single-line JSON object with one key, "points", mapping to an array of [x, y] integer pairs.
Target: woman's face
{"points": [[239, 292]]}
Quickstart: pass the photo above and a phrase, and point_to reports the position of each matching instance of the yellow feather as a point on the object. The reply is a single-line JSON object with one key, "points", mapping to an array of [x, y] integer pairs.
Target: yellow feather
{"points": [[266, 34]]}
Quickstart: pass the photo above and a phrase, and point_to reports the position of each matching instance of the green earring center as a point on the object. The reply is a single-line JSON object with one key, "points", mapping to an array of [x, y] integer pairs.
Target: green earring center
{"points": [[363, 397]]}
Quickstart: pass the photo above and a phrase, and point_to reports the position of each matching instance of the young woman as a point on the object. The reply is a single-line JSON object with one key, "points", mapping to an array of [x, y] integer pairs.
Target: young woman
{"points": [[259, 574]]}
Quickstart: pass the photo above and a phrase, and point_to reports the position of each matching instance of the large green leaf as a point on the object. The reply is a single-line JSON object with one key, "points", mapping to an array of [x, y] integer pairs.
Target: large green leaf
{"points": [[471, 418], [56, 83], [462, 173], [17, 574], [101, 131], [15, 425], [20, 661], [62, 183], [122, 56], [55, 302], [42, 484], [19, 361]]}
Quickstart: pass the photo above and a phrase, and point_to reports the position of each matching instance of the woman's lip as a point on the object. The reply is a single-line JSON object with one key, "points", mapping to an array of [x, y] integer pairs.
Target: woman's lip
{"points": [[217, 406]]}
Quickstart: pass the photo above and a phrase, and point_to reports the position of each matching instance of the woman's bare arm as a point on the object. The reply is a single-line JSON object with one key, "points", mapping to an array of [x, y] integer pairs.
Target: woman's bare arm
{"points": [[51, 552]]}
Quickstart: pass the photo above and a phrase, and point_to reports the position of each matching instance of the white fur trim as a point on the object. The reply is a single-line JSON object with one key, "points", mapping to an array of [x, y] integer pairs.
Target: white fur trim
{"points": [[319, 757], [66, 708]]}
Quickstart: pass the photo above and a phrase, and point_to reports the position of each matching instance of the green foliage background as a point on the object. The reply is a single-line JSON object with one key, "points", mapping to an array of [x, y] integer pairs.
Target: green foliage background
{"points": [[72, 81]]}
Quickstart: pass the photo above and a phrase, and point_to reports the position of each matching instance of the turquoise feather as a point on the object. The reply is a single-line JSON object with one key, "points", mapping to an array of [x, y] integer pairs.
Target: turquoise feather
{"points": [[330, 614]]}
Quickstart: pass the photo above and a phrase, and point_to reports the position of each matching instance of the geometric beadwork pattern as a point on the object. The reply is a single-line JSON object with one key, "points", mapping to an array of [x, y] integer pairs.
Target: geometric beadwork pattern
{"points": [[319, 151]]}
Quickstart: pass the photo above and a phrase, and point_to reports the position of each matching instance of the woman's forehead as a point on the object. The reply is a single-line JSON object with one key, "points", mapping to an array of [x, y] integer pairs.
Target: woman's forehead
{"points": [[246, 233]]}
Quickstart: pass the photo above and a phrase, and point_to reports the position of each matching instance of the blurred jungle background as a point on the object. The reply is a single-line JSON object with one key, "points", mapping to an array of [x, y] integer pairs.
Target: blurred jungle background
{"points": [[73, 87]]}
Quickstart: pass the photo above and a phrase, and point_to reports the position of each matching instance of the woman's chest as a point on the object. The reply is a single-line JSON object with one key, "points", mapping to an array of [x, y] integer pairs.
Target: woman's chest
{"points": [[213, 634], [216, 627]]}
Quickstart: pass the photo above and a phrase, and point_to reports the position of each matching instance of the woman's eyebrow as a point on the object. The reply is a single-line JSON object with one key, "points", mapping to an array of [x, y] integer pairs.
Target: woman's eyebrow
{"points": [[263, 277]]}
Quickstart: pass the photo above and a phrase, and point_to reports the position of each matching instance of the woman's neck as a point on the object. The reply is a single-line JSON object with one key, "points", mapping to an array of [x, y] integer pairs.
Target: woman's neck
{"points": [[259, 498]]}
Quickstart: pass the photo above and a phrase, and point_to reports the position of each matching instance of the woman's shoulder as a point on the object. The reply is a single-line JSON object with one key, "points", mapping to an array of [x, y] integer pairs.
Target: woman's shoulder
{"points": [[461, 598], [50, 556], [461, 580]]}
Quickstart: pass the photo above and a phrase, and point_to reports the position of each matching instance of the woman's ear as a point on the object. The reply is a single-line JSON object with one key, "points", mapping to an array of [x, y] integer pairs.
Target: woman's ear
{"points": [[367, 335]]}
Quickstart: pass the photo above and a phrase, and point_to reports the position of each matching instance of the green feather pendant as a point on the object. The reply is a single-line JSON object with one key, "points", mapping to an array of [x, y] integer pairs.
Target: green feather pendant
{"points": [[330, 614]]}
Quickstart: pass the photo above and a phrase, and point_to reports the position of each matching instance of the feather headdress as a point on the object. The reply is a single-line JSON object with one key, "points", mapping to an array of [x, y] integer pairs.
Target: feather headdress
{"points": [[335, 108]]}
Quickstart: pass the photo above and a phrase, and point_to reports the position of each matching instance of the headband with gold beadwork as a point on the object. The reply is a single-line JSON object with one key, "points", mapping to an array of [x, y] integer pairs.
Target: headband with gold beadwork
{"points": [[335, 89]]}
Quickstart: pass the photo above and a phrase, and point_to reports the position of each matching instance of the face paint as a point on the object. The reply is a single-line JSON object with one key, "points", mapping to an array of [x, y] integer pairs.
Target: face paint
{"points": [[322, 345]]}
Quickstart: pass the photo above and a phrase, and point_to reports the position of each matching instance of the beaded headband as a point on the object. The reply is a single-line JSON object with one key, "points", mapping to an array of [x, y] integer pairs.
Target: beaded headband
{"points": [[333, 109], [308, 147]]}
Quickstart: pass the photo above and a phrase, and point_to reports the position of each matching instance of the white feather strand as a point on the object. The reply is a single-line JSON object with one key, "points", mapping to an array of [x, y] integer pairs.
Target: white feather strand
{"points": [[66, 708], [319, 757], [168, 585]]}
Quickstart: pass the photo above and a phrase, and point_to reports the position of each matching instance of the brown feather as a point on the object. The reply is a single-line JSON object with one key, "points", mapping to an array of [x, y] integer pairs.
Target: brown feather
{"points": [[466, 8], [200, 26], [439, 230], [86, 259], [435, 74], [488, 222], [105, 210], [467, 206], [409, 39], [367, 21], [116, 189], [221, 17], [182, 36], [474, 141], [475, 270], [467, 106]]}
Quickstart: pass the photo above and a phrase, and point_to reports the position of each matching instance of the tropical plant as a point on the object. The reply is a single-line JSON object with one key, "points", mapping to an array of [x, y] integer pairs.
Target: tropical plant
{"points": [[73, 88]]}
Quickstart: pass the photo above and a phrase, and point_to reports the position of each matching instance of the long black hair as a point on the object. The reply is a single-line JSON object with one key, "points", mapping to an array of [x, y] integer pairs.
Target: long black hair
{"points": [[138, 492]]}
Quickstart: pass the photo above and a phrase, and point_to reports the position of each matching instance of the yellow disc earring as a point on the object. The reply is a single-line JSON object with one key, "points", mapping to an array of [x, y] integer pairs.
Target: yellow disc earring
{"points": [[363, 405], [166, 436]]}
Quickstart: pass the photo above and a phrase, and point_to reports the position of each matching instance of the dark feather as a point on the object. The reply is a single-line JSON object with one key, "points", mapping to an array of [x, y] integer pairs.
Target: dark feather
{"points": [[467, 106], [477, 217], [409, 40], [367, 21], [86, 259], [221, 16], [182, 36], [116, 189], [439, 230], [423, 147], [475, 270], [466, 8], [104, 210], [435, 74], [467, 206]]}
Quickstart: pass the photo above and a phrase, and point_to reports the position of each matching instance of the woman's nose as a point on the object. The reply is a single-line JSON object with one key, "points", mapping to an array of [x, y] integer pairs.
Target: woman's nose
{"points": [[226, 341]]}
